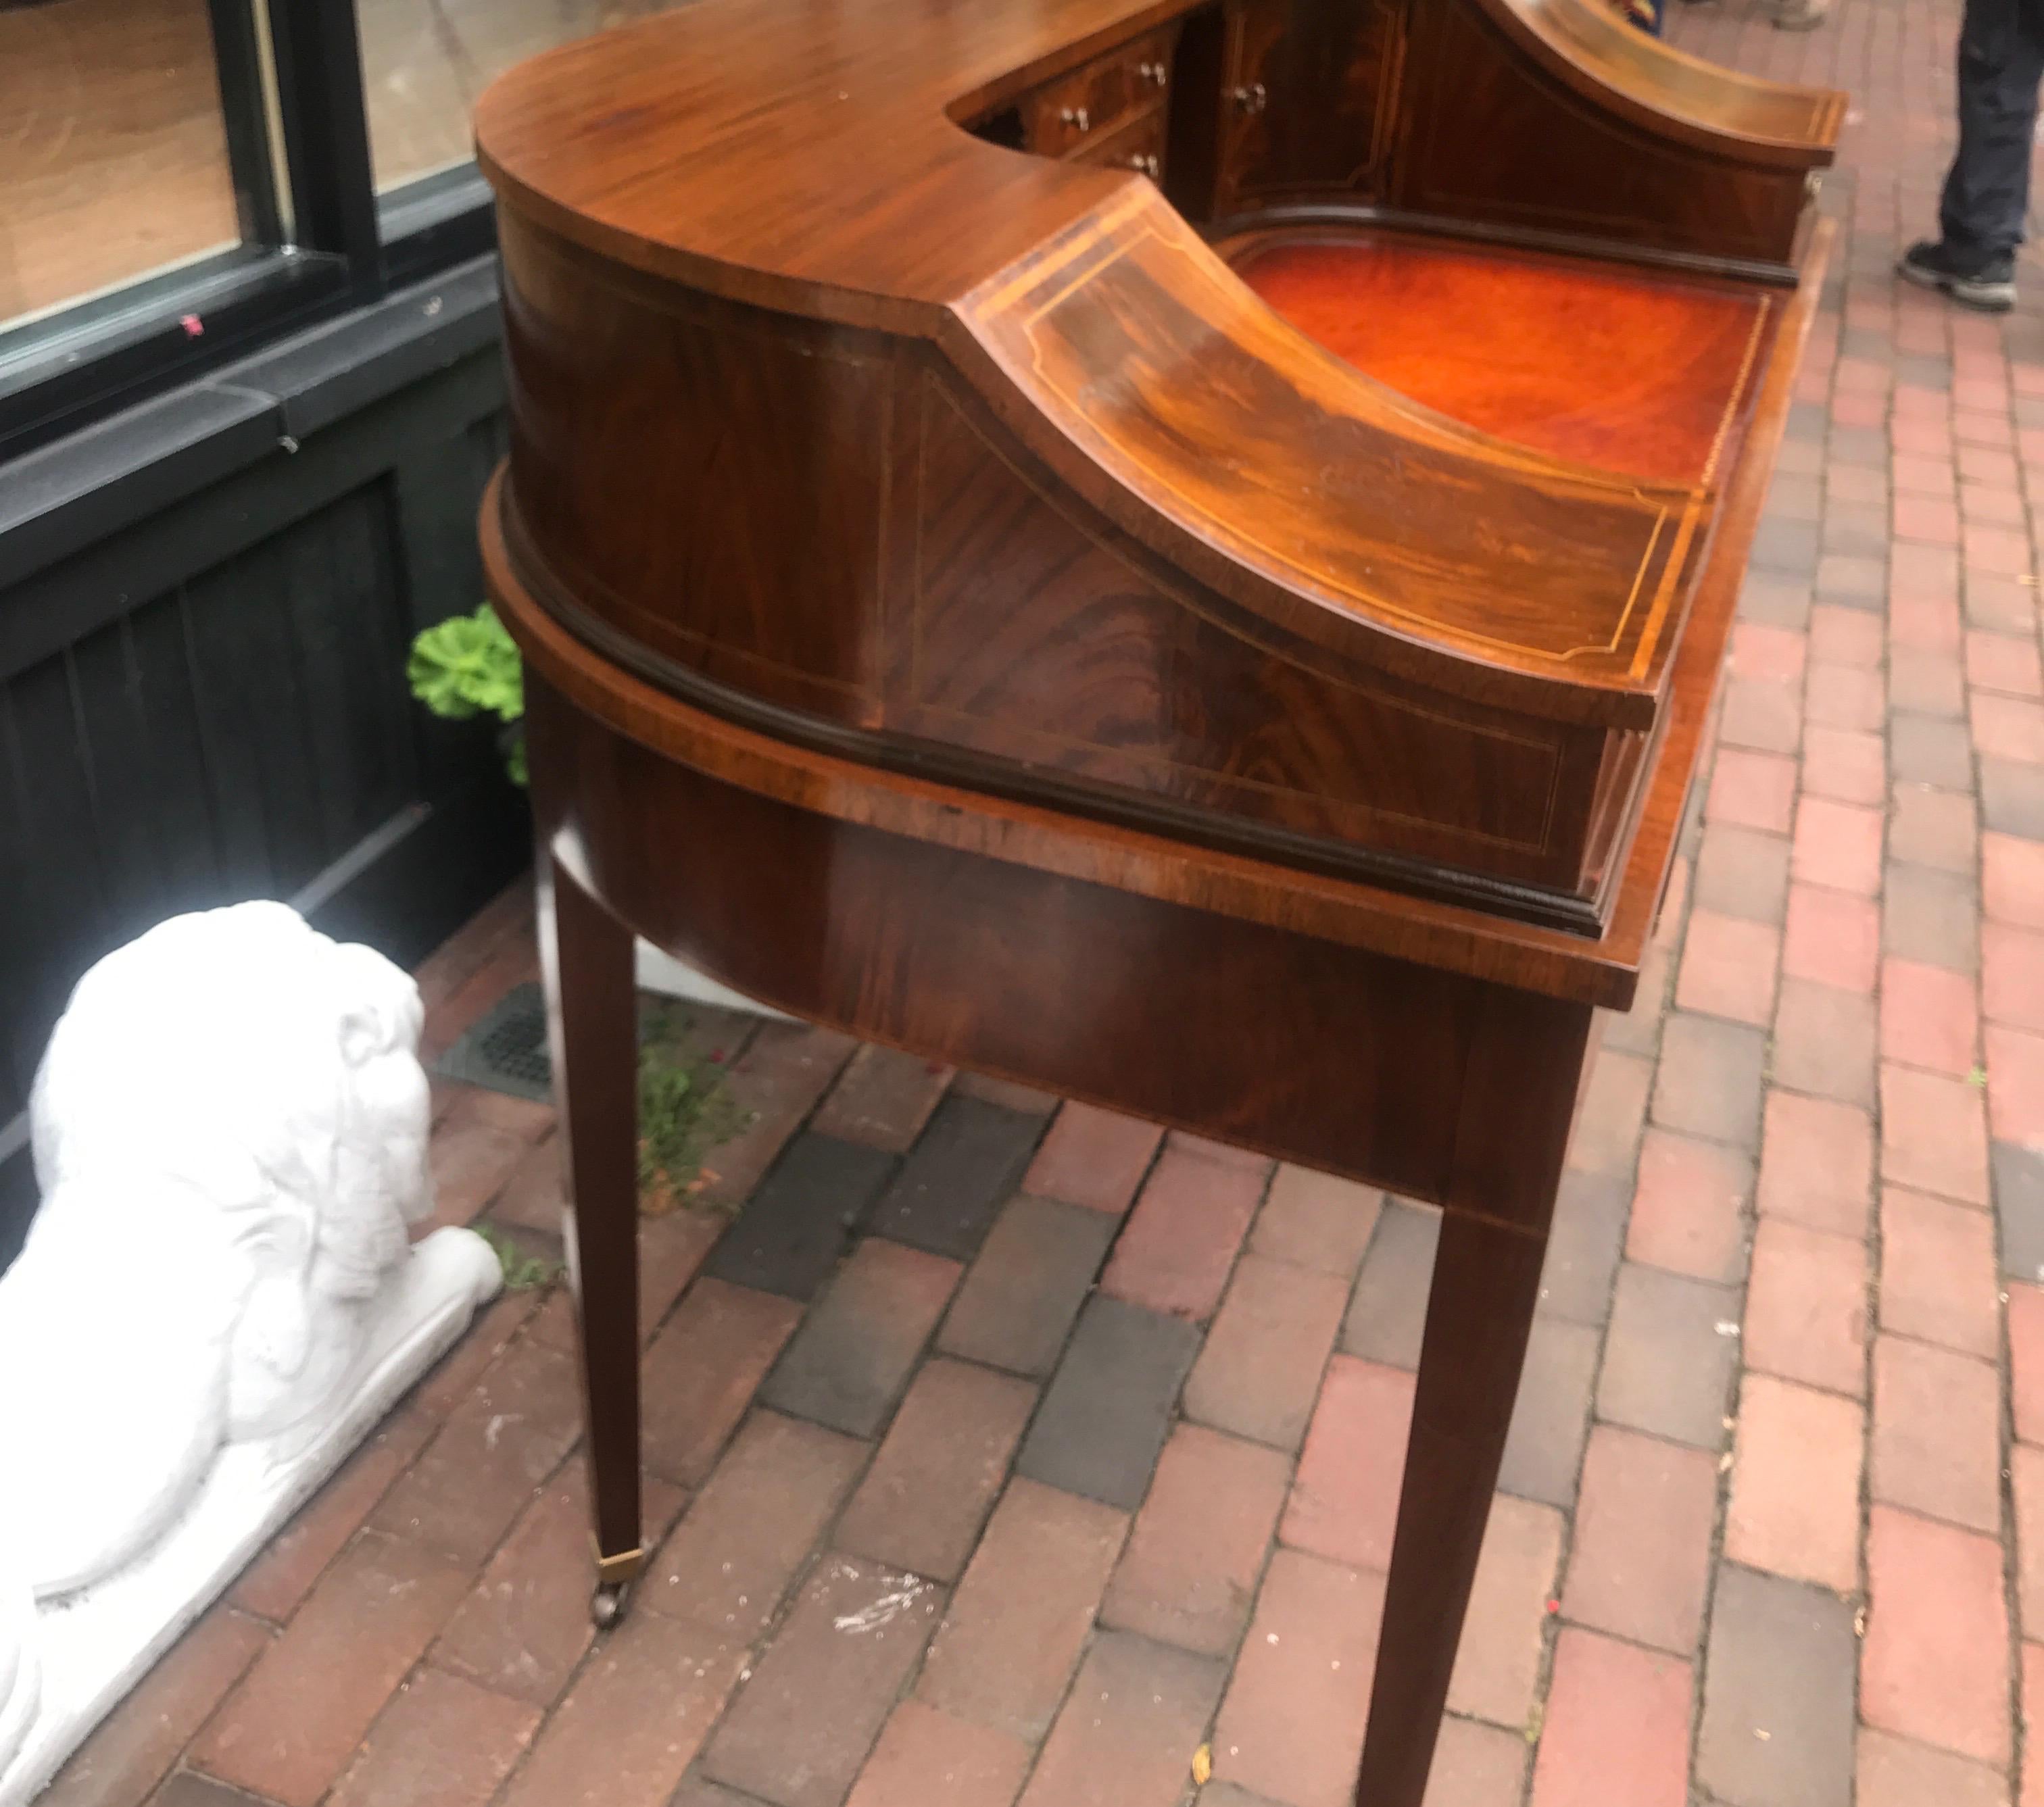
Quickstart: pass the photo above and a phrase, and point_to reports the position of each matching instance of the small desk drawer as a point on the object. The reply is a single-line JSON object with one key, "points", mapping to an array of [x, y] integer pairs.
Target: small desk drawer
{"points": [[1136, 144], [1092, 102]]}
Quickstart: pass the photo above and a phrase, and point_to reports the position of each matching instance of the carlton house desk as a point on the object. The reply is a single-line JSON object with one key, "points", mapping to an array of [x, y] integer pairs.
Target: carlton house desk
{"points": [[1177, 553]]}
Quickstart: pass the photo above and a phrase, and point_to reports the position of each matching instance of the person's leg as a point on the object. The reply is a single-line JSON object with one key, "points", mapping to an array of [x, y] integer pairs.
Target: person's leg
{"points": [[1987, 192], [2001, 62]]}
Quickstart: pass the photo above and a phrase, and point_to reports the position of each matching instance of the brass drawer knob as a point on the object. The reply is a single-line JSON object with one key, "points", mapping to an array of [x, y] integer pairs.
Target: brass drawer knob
{"points": [[1155, 73], [1078, 118], [1252, 99]]}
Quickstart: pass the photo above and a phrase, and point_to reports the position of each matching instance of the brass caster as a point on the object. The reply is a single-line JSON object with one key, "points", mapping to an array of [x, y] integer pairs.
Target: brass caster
{"points": [[614, 1576]]}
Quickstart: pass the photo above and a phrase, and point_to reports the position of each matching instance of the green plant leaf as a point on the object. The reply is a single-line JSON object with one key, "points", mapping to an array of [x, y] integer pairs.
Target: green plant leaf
{"points": [[468, 665], [522, 1272], [684, 1112]]}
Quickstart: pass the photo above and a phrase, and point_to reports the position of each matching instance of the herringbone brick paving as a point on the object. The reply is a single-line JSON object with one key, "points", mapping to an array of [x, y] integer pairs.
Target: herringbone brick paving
{"points": [[1087, 1456]]}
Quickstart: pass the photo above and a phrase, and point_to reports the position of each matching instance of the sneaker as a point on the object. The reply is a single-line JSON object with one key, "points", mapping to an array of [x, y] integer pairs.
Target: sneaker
{"points": [[1801, 15], [1987, 283]]}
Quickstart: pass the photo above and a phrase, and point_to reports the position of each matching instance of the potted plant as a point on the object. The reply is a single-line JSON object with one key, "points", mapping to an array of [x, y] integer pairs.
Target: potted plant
{"points": [[468, 666]]}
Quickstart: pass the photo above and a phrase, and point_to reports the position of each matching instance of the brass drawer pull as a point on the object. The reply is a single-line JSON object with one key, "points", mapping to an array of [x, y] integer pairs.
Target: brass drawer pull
{"points": [[1145, 163], [1155, 73], [1078, 118], [1252, 99]]}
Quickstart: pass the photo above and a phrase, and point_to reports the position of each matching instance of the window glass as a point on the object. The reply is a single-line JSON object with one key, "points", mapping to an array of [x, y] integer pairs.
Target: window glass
{"points": [[426, 61], [113, 157]]}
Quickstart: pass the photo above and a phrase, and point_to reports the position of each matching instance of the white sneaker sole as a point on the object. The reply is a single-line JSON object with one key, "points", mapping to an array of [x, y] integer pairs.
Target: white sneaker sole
{"points": [[1968, 291]]}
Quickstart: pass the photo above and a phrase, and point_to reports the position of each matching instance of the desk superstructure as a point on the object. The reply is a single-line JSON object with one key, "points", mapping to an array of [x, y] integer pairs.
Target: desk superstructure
{"points": [[1178, 554]]}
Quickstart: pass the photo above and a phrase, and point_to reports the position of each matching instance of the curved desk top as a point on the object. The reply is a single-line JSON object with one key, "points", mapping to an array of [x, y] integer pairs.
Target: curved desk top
{"points": [[808, 157], [803, 156]]}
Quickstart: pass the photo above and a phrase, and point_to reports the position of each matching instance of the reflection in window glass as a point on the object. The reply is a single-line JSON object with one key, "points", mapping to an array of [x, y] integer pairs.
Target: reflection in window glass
{"points": [[426, 61], [113, 160]]}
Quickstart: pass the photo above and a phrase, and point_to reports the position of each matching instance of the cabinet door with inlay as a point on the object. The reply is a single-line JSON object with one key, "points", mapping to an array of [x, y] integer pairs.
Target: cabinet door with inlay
{"points": [[1308, 97]]}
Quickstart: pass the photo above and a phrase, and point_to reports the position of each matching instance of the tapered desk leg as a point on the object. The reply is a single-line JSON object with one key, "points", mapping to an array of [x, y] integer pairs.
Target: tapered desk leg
{"points": [[1516, 1116], [592, 1025], [1485, 1281]]}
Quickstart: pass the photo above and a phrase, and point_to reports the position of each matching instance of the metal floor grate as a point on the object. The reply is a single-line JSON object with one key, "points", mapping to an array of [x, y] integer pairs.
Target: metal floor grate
{"points": [[505, 1049]]}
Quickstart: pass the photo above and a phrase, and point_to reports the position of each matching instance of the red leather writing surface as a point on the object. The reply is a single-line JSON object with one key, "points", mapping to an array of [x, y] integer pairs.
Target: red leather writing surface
{"points": [[1606, 366]]}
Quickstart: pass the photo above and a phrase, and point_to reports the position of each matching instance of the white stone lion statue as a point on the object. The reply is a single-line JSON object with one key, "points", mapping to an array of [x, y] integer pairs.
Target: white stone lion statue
{"points": [[229, 1131]]}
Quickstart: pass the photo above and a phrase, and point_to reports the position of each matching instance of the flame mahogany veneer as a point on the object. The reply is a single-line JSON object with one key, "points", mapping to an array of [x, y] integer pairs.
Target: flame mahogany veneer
{"points": [[1233, 646]]}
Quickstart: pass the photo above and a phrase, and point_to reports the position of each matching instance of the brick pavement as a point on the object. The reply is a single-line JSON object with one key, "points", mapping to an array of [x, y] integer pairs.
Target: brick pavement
{"points": [[1085, 1455]]}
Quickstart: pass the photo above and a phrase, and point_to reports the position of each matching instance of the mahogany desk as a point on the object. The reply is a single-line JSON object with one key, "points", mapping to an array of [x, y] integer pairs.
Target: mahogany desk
{"points": [[1174, 550]]}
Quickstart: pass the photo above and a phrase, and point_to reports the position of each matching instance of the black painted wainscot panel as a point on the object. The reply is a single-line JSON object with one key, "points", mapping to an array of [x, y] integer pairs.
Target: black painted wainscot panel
{"points": [[205, 609]]}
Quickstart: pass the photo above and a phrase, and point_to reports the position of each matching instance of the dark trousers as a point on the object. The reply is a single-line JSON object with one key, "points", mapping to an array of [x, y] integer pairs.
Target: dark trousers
{"points": [[2001, 62]]}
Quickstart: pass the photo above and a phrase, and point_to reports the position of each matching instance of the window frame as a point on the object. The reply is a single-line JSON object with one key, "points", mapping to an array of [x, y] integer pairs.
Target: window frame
{"points": [[317, 239]]}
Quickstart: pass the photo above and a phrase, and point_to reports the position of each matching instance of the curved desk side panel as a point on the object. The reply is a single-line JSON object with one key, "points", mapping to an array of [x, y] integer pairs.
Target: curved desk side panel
{"points": [[707, 478], [1423, 108], [1641, 148], [1721, 110], [1130, 357], [831, 533]]}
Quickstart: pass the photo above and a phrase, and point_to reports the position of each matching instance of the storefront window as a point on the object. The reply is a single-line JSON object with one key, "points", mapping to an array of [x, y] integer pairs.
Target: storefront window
{"points": [[113, 149], [182, 181], [425, 61]]}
